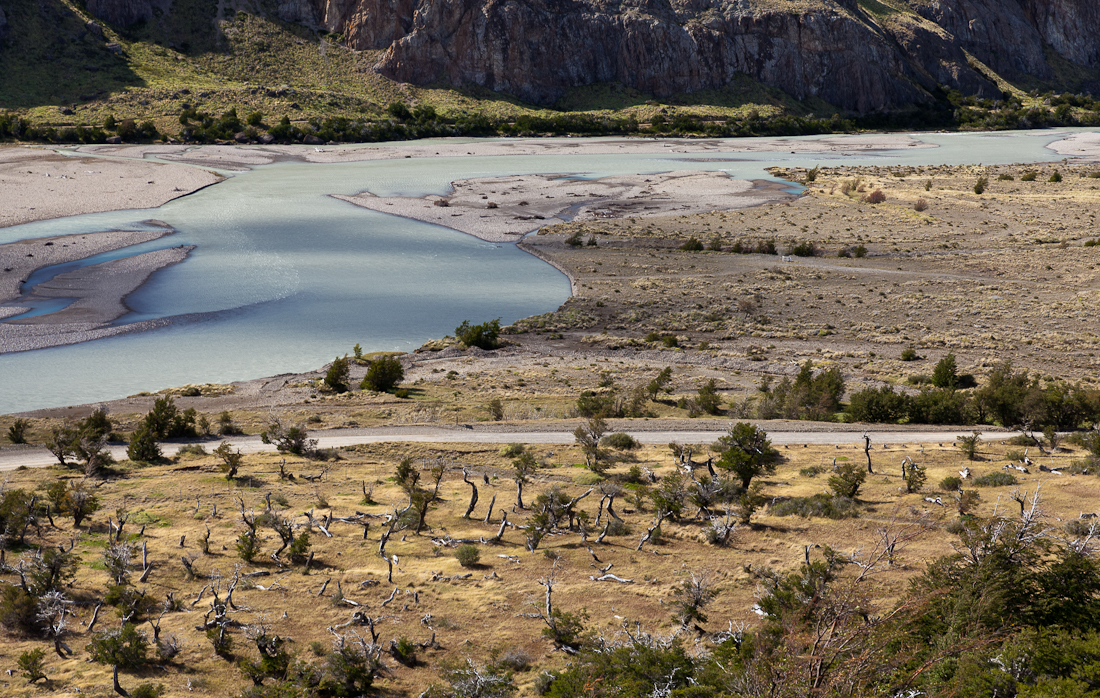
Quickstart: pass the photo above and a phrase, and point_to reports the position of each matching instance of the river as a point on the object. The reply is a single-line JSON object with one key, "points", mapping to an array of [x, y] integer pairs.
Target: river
{"points": [[284, 277]]}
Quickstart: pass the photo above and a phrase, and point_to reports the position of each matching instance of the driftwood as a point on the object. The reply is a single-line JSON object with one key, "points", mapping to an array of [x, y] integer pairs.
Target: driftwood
{"points": [[489, 511], [649, 534], [393, 594], [438, 577], [612, 578]]}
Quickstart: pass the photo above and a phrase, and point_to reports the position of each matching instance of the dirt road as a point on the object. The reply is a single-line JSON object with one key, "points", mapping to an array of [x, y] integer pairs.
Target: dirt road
{"points": [[14, 457]]}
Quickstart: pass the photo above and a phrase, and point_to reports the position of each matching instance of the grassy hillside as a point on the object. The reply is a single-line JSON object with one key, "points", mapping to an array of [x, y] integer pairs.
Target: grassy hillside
{"points": [[205, 57]]}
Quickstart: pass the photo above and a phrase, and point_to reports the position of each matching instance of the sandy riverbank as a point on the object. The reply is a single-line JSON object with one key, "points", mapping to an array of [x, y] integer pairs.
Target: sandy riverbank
{"points": [[38, 184], [503, 209], [99, 290], [1083, 146], [233, 157]]}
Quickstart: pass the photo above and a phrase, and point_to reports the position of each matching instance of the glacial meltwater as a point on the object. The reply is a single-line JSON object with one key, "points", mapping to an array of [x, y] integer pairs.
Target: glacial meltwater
{"points": [[284, 277]]}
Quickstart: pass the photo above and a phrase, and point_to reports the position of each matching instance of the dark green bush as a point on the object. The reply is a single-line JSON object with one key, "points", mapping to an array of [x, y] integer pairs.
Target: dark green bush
{"points": [[996, 479], [951, 483], [468, 555], [878, 405], [692, 245], [620, 441], [483, 336], [820, 505], [336, 379], [848, 479], [383, 374]]}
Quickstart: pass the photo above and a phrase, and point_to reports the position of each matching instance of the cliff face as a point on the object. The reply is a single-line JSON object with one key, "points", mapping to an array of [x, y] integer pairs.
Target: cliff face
{"points": [[835, 50], [537, 49]]}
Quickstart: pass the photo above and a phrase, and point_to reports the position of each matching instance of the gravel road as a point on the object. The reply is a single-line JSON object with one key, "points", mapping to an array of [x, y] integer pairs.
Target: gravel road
{"points": [[16, 456]]}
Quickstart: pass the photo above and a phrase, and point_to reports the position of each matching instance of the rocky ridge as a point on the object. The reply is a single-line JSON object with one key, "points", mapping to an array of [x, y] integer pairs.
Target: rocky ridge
{"points": [[861, 56]]}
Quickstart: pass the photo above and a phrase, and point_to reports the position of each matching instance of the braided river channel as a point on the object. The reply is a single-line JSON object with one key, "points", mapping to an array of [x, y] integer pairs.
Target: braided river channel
{"points": [[284, 278]]}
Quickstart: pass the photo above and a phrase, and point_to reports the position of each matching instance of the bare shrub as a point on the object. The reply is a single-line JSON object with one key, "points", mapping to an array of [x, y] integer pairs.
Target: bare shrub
{"points": [[920, 205], [875, 197]]}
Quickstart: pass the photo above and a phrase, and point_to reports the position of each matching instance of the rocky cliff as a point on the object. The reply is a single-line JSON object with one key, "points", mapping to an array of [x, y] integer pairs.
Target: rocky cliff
{"points": [[860, 55]]}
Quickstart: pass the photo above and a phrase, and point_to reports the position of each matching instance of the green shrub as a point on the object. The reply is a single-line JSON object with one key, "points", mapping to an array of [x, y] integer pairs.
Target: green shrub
{"points": [[404, 651], [979, 186], [18, 610], [32, 664], [620, 441], [820, 505], [143, 446], [805, 248], [336, 379], [996, 479], [513, 450], [467, 555], [707, 400], [226, 427], [17, 432], [299, 549], [1004, 177], [909, 354], [848, 479], [483, 336], [1056, 177], [811, 471], [878, 405], [1029, 176], [383, 374], [951, 483], [692, 245], [860, 251]]}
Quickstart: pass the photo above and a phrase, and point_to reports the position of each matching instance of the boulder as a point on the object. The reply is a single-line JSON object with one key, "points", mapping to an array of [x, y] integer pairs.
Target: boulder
{"points": [[311, 139]]}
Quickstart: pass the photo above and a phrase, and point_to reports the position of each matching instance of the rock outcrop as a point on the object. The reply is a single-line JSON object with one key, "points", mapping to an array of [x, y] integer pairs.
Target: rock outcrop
{"points": [[835, 50]]}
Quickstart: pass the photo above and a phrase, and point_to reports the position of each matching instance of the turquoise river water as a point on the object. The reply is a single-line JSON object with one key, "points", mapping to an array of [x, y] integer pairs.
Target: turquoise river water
{"points": [[284, 277]]}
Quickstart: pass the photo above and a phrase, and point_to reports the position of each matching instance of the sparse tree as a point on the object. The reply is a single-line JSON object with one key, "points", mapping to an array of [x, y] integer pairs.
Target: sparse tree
{"points": [[336, 379], [17, 432], [746, 453], [230, 459], [522, 468], [32, 664], [588, 437], [848, 479], [692, 596], [121, 648], [969, 444], [143, 445]]}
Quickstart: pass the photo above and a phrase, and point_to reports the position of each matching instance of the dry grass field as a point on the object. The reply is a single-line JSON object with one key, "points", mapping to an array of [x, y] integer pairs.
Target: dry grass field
{"points": [[1005, 274], [484, 615]]}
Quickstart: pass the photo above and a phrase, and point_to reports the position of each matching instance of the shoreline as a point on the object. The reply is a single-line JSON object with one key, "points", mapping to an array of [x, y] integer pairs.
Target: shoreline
{"points": [[48, 185], [99, 290], [505, 209]]}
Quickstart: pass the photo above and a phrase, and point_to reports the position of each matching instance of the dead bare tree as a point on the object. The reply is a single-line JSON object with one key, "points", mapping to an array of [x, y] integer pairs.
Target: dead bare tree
{"points": [[473, 494]]}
